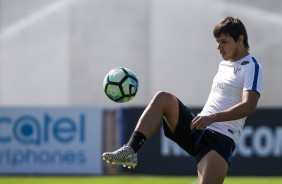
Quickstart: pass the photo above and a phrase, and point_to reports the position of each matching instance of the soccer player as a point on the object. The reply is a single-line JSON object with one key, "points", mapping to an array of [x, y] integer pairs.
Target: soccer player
{"points": [[212, 135]]}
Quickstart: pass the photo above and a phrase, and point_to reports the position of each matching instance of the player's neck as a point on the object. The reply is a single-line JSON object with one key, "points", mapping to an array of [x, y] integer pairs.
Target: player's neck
{"points": [[241, 54]]}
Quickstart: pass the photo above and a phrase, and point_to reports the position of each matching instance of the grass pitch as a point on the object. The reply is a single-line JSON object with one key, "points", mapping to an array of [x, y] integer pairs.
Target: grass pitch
{"points": [[129, 179]]}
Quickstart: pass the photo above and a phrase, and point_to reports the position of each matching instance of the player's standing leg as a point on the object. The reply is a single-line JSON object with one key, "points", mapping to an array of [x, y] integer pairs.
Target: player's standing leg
{"points": [[212, 169], [163, 105]]}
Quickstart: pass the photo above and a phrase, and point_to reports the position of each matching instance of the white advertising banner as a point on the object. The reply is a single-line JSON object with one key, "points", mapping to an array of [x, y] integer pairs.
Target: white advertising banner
{"points": [[50, 141]]}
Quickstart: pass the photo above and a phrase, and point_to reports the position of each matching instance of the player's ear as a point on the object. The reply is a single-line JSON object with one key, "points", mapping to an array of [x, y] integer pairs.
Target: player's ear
{"points": [[241, 39]]}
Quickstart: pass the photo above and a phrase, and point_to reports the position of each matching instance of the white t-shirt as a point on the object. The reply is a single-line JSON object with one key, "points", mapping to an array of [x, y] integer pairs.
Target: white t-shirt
{"points": [[228, 85]]}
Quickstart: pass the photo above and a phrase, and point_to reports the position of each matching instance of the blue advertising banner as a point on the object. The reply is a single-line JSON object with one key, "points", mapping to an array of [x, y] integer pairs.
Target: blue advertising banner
{"points": [[258, 153], [50, 140]]}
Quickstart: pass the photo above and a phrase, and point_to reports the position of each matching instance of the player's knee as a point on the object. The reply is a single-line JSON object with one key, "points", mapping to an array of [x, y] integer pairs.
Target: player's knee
{"points": [[164, 97]]}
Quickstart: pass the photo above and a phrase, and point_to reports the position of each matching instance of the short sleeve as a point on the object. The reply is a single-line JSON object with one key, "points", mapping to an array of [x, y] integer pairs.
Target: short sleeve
{"points": [[253, 77]]}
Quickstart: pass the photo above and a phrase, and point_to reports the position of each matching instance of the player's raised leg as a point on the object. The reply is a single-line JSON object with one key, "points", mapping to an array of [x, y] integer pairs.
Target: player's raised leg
{"points": [[163, 105]]}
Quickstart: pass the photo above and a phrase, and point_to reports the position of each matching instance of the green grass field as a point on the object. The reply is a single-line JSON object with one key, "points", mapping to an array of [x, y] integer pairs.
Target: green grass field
{"points": [[130, 179]]}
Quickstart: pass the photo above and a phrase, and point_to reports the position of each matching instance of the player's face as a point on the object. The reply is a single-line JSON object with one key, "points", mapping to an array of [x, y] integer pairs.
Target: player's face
{"points": [[228, 48]]}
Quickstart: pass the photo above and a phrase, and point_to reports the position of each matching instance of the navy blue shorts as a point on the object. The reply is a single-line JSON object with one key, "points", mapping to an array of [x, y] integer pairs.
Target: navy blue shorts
{"points": [[198, 143]]}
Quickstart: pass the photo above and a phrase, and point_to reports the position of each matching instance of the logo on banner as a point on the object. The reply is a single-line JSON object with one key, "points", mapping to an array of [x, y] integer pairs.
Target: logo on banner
{"points": [[29, 130], [41, 140]]}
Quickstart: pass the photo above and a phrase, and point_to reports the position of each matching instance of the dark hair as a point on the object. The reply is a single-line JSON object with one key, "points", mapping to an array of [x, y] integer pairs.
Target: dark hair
{"points": [[232, 27]]}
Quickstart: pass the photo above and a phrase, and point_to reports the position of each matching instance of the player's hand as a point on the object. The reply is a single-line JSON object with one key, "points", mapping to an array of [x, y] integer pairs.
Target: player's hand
{"points": [[200, 122]]}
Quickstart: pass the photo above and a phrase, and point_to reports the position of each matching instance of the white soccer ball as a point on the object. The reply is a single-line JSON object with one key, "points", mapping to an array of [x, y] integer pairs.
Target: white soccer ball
{"points": [[120, 85]]}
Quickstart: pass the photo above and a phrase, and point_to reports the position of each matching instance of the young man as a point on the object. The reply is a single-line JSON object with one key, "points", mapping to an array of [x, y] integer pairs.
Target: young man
{"points": [[210, 137]]}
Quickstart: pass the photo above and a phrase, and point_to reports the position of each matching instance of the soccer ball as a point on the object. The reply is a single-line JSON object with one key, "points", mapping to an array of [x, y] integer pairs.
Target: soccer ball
{"points": [[120, 85]]}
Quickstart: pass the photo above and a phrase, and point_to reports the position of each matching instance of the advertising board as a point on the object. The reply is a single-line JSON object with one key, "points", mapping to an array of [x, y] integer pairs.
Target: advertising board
{"points": [[259, 150], [50, 140]]}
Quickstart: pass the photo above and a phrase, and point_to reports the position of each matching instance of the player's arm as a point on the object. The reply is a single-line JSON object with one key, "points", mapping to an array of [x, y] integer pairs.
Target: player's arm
{"points": [[241, 110]]}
